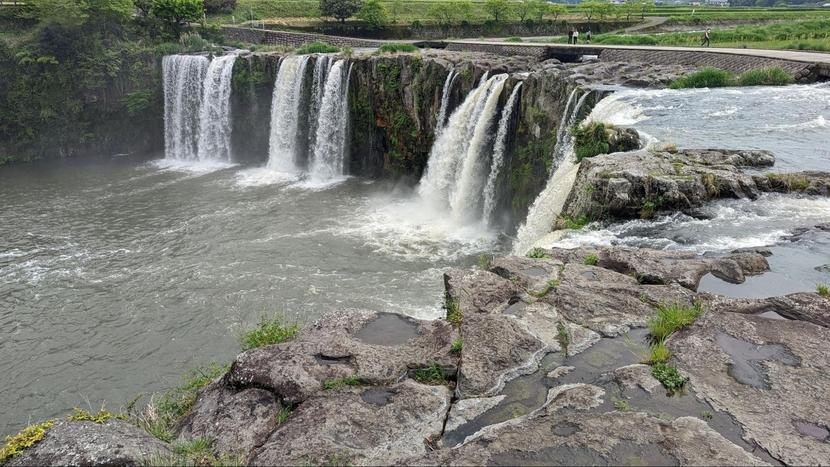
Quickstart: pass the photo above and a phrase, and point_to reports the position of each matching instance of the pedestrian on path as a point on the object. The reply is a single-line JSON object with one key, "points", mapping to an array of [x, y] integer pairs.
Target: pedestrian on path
{"points": [[705, 42], [570, 35], [576, 36], [588, 36]]}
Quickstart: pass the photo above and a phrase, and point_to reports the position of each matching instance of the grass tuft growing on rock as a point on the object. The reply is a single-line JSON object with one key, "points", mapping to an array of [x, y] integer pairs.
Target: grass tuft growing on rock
{"points": [[394, 48], [484, 261], [454, 315], [670, 318], [668, 376], [706, 78], [267, 332], [791, 182], [28, 437], [457, 346], [659, 353], [773, 76], [563, 336], [103, 416], [823, 290], [317, 48], [341, 382], [573, 223], [432, 374], [537, 253], [162, 413], [622, 405], [591, 260], [283, 414], [590, 140], [194, 452]]}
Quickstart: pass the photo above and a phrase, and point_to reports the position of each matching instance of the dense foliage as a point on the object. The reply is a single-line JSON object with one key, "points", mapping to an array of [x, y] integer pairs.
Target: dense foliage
{"points": [[82, 75], [340, 9]]}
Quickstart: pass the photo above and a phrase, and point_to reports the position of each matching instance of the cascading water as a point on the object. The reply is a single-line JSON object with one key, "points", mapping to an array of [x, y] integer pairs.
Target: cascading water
{"points": [[457, 164], [215, 114], [183, 76], [283, 144], [328, 161], [490, 190], [548, 205], [197, 121], [445, 100], [318, 86]]}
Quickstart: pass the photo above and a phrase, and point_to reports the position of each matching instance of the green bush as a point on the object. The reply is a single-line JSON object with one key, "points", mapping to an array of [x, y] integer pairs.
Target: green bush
{"points": [[374, 14], [668, 376], [317, 48], [705, 78], [765, 77], [537, 253], [823, 290], [590, 140], [28, 437], [591, 260], [267, 332], [433, 374], [393, 48]]}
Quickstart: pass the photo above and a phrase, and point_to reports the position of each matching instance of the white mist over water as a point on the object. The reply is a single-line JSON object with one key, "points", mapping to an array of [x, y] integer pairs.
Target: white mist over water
{"points": [[197, 120], [328, 160], [548, 205], [490, 190], [283, 143]]}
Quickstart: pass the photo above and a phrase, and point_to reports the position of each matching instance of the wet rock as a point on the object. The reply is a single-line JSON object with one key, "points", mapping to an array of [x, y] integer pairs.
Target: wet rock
{"points": [[488, 362], [465, 410], [87, 443], [645, 183], [529, 273], [236, 421], [571, 255], [341, 427], [332, 348], [478, 291], [560, 371], [810, 182], [622, 139], [631, 376], [802, 306], [768, 374]]}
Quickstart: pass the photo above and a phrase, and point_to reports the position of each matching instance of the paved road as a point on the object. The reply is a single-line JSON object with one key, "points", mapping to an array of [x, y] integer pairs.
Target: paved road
{"points": [[651, 22]]}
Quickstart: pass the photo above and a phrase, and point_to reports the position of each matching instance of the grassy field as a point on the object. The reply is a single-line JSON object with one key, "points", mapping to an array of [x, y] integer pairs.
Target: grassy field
{"points": [[417, 10], [803, 35]]}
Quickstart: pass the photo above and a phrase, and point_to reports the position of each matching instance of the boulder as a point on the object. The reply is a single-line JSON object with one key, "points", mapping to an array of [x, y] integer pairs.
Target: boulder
{"points": [[364, 425], [475, 290], [88, 443]]}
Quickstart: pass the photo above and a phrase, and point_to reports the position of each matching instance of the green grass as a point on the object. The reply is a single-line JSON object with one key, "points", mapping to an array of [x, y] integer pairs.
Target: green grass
{"points": [[102, 416], [668, 376], [454, 315], [162, 412], [671, 318], [591, 260], [590, 140], [823, 290], [194, 452], [792, 182], [28, 437], [706, 415], [432, 374], [706, 78], [550, 285], [537, 253], [395, 48], [457, 346], [341, 382], [283, 414], [513, 39], [267, 332], [622, 405], [483, 261], [575, 223], [659, 353], [563, 336], [765, 77], [317, 48]]}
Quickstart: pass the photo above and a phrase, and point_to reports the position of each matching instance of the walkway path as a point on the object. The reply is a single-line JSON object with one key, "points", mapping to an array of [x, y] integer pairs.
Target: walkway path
{"points": [[651, 22]]}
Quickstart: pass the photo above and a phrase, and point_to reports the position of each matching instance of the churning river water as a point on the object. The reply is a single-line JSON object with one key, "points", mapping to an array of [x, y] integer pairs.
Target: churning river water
{"points": [[118, 275]]}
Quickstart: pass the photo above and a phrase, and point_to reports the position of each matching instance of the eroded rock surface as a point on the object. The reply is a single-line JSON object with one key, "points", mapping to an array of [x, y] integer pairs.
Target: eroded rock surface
{"points": [[87, 443]]}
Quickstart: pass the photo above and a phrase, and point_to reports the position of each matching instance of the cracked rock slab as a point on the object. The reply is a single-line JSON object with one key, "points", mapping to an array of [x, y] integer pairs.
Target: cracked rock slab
{"points": [[359, 426], [769, 374], [477, 291]]}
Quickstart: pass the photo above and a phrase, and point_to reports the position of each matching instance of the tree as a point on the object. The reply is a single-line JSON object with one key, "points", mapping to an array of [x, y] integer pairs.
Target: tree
{"points": [[556, 9], [595, 8], [177, 13], [340, 9], [374, 14], [449, 13], [540, 9], [523, 9], [497, 9]]}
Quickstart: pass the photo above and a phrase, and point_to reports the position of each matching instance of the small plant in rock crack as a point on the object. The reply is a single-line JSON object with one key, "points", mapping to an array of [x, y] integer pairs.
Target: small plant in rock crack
{"points": [[454, 315], [622, 405], [591, 260], [341, 382], [432, 374], [563, 336], [457, 346], [669, 377], [537, 253], [823, 290]]}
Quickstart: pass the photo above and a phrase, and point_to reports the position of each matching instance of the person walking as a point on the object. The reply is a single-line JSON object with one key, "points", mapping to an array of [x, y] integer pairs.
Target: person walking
{"points": [[588, 36], [705, 42], [570, 35], [576, 36]]}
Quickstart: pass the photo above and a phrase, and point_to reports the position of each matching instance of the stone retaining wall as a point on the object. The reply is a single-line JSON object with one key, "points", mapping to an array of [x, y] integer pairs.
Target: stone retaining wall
{"points": [[499, 49], [292, 39], [802, 71]]}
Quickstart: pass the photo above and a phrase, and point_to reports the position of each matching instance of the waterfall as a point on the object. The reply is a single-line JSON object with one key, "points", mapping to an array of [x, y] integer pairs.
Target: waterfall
{"points": [[215, 114], [283, 144], [182, 76], [458, 160], [318, 85], [490, 189], [445, 100], [548, 205], [328, 159]]}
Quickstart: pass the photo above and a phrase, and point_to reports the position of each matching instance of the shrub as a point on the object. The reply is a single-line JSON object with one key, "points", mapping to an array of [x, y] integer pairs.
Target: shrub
{"points": [[574, 223], [823, 290], [28, 437], [340, 9], [537, 253], [774, 76], [432, 374], [706, 78], [341, 382], [138, 101], [193, 42], [457, 346], [316, 48], [671, 318], [219, 6], [454, 315], [393, 48], [177, 13], [668, 376], [591, 260], [374, 14], [269, 331], [590, 140], [514, 39]]}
